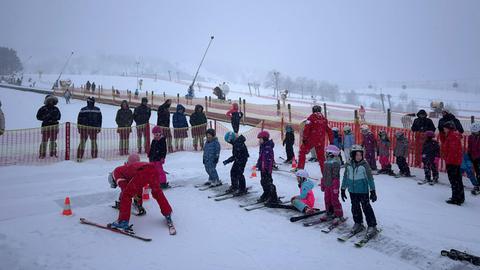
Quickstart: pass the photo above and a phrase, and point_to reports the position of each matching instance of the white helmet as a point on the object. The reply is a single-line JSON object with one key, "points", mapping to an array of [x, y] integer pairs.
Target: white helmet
{"points": [[364, 127], [335, 129], [347, 128], [475, 128], [302, 174]]}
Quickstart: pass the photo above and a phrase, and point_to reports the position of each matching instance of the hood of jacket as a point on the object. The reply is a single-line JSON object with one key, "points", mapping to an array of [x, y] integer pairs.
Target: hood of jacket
{"points": [[422, 113], [126, 103], [235, 106], [240, 139], [180, 108], [198, 108]]}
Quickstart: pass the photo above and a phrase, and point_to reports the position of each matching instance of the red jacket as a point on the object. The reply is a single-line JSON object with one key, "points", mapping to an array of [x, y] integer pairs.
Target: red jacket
{"points": [[474, 146], [233, 109], [316, 127], [123, 174], [452, 148]]}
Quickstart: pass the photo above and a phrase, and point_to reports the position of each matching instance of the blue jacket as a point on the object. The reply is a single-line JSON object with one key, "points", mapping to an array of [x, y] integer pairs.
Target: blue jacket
{"points": [[211, 151], [337, 140], [466, 163], [179, 119], [305, 187], [358, 178], [348, 141]]}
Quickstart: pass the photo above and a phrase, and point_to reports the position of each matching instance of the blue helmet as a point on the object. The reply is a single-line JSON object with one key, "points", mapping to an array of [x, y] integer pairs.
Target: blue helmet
{"points": [[229, 137]]}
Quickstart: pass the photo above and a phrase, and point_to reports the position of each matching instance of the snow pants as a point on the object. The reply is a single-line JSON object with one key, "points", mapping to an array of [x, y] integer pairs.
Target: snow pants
{"points": [[332, 203], [148, 176], [85, 133], [455, 178], [419, 140], [299, 205], [305, 148], [142, 134], [430, 169], [289, 152], [269, 189], [403, 165], [361, 201], [162, 176], [370, 158], [211, 169], [236, 176], [49, 133], [124, 144]]}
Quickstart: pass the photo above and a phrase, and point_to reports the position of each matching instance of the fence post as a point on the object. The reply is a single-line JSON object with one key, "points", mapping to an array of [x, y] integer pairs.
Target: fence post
{"points": [[355, 117], [215, 123], [472, 119], [67, 141], [98, 93], [389, 117], [210, 101], [289, 113], [244, 111], [263, 124], [206, 104], [178, 98], [278, 107], [325, 109], [113, 94], [240, 103], [282, 122], [164, 97], [152, 99], [129, 96]]}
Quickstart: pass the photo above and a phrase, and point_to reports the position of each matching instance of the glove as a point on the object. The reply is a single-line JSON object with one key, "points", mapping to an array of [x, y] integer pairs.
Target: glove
{"points": [[373, 196], [344, 196], [162, 161], [225, 162], [111, 181]]}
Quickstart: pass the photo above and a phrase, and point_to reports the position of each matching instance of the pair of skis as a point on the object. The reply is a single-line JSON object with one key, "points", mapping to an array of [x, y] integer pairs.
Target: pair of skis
{"points": [[458, 255], [330, 227], [361, 243]]}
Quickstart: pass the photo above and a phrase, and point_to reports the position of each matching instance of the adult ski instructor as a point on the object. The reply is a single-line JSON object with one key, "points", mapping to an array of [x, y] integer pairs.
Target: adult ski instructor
{"points": [[314, 132]]}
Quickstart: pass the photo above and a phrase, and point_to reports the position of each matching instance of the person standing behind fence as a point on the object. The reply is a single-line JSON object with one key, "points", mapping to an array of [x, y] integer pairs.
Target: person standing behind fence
{"points": [[420, 125], [141, 116], [67, 95], [449, 117], [124, 121], [163, 120], [235, 116], [2, 120], [180, 127], [88, 85], [198, 121], [362, 112], [348, 142], [89, 125], [49, 114], [93, 87]]}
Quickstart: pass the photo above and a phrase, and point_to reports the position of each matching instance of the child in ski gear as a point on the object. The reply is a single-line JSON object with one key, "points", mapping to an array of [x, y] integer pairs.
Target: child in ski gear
{"points": [[239, 158], [348, 141], [467, 168], [401, 153], [330, 183], [141, 116], [306, 200], [383, 151], [288, 142], [338, 142], [180, 126], [211, 153], [235, 116], [198, 121], [124, 120], [163, 120], [474, 151], [420, 125], [370, 145], [358, 179], [452, 154], [49, 114], [140, 175], [265, 165], [430, 157], [157, 154], [361, 113], [314, 132], [89, 125]]}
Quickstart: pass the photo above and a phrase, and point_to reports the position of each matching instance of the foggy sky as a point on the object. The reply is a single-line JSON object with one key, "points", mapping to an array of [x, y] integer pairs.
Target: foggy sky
{"points": [[357, 40]]}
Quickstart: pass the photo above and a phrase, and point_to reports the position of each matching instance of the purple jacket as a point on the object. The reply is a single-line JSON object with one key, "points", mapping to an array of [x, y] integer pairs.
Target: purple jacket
{"points": [[369, 142], [266, 157], [474, 147]]}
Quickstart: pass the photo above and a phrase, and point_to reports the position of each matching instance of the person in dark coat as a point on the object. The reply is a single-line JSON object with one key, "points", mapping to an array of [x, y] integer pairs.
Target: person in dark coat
{"points": [[93, 87], [265, 164], [163, 120], [235, 116], [420, 125], [124, 121], [49, 114], [288, 142], [157, 154], [88, 85], [449, 117], [430, 158], [141, 116], [198, 122], [239, 158], [180, 125], [401, 153], [89, 125]]}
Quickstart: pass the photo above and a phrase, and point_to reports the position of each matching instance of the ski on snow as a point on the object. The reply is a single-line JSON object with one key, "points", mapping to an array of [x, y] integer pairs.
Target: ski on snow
{"points": [[208, 187], [234, 195], [281, 204], [224, 194], [127, 233], [347, 236], [332, 226], [255, 203], [458, 255], [366, 239], [305, 216]]}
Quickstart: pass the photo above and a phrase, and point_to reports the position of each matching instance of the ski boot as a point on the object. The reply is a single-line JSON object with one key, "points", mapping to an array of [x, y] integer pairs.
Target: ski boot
{"points": [[326, 217], [309, 210], [240, 192], [208, 183], [424, 181], [215, 184], [476, 190], [338, 220], [121, 225], [138, 206], [371, 232], [452, 201], [434, 181], [357, 227], [231, 189], [262, 198]]}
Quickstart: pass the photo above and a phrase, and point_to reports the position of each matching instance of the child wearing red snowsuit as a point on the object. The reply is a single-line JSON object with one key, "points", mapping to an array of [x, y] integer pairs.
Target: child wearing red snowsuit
{"points": [[330, 185]]}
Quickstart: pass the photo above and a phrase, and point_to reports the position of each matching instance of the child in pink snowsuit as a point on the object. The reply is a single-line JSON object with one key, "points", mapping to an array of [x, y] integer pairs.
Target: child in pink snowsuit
{"points": [[383, 152], [330, 184], [158, 151], [306, 200]]}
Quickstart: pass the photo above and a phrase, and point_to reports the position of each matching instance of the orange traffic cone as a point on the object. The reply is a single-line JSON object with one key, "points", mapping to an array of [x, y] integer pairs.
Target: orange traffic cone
{"points": [[254, 172], [67, 211], [146, 191], [294, 163]]}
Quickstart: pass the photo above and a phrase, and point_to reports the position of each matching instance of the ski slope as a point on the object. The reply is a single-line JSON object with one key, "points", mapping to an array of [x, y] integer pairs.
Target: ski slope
{"points": [[416, 221]]}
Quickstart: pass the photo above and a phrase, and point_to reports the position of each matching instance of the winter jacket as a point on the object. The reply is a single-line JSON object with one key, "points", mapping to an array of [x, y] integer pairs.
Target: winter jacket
{"points": [[90, 116], [401, 147], [198, 117], [337, 140], [158, 150], [474, 146], [163, 114], [358, 178], [369, 143], [266, 157], [49, 115], [306, 193], [124, 117], [142, 114], [430, 150], [315, 130], [422, 124], [384, 147], [125, 173], [239, 152], [331, 172], [235, 116], [2, 120], [88, 85], [447, 118], [348, 141], [179, 119], [211, 151], [452, 148], [289, 138]]}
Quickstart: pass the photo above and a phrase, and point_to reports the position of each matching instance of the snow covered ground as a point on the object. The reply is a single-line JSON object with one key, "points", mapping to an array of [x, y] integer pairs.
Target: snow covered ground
{"points": [[416, 221]]}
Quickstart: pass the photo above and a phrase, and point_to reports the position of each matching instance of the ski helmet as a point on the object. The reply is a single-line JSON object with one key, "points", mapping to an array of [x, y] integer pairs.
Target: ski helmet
{"points": [[382, 133], [302, 174], [332, 149], [132, 158], [144, 100], [335, 129], [364, 127], [347, 129], [263, 135], [156, 129], [317, 108], [288, 128], [399, 134], [229, 137], [475, 128], [429, 134], [356, 148], [211, 131]]}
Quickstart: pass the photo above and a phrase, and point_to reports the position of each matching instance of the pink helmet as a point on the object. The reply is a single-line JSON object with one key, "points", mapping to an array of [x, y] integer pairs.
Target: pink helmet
{"points": [[332, 149], [132, 158], [264, 135], [156, 129]]}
